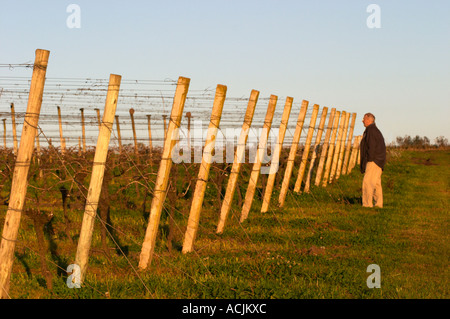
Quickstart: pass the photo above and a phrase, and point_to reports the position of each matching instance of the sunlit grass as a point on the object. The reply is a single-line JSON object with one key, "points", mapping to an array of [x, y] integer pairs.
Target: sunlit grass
{"points": [[318, 246]]}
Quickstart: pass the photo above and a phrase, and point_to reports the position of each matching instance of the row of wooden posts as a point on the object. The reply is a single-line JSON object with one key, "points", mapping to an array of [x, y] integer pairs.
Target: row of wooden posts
{"points": [[82, 139], [337, 157]]}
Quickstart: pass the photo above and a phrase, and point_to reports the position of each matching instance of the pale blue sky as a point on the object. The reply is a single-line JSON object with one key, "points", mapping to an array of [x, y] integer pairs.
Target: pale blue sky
{"points": [[321, 51]]}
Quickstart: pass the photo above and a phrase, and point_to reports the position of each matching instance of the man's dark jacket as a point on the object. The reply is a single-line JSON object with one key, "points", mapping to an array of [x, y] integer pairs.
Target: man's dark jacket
{"points": [[372, 147]]}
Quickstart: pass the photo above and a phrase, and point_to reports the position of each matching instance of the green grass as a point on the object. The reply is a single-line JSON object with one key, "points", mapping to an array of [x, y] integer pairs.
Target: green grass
{"points": [[318, 246]]}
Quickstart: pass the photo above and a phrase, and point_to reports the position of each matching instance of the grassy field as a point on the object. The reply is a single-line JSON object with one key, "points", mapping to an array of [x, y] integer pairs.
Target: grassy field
{"points": [[318, 246]]}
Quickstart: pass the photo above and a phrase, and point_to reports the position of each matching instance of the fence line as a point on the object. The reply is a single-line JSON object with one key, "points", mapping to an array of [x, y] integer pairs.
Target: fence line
{"points": [[340, 154]]}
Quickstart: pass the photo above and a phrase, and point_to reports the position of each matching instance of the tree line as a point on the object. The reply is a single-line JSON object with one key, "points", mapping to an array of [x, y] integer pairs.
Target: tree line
{"points": [[421, 142]]}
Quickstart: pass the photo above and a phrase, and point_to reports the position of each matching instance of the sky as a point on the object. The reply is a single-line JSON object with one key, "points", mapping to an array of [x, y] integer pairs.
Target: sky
{"points": [[322, 51]]}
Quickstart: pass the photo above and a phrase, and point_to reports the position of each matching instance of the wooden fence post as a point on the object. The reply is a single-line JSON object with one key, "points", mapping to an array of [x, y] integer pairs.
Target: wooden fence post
{"points": [[314, 151], [13, 119], [160, 189], [338, 146], [20, 177], [355, 148], [149, 133], [301, 170], [200, 187], [239, 156], [134, 131], [292, 153], [118, 134], [4, 133], [275, 162], [98, 169], [331, 147], [325, 145], [83, 130], [254, 175], [61, 137], [342, 147], [348, 145]]}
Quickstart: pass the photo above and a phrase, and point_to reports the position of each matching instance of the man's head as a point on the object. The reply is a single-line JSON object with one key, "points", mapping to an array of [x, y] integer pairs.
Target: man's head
{"points": [[368, 119]]}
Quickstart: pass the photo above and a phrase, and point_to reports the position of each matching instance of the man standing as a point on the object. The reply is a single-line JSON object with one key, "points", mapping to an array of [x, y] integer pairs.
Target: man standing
{"points": [[373, 159]]}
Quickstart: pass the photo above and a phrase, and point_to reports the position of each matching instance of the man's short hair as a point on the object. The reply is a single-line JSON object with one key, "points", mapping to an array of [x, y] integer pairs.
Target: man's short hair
{"points": [[370, 115]]}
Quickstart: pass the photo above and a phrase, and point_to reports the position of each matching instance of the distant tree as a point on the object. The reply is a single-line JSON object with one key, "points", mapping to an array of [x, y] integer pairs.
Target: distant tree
{"points": [[441, 141], [404, 142], [421, 142], [416, 142]]}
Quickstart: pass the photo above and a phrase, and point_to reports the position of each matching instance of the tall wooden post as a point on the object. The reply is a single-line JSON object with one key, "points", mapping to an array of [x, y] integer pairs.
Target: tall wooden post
{"points": [[305, 154], [254, 175], [353, 156], [239, 156], [325, 144], [348, 145], [162, 178], [200, 187], [149, 117], [338, 147], [13, 119], [292, 153], [275, 162], [61, 137], [83, 130], [314, 151], [134, 131], [4, 133], [20, 177], [331, 147], [342, 147], [118, 134], [98, 169]]}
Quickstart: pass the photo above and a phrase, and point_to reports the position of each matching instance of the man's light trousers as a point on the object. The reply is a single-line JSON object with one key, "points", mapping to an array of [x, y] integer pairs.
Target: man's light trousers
{"points": [[372, 193]]}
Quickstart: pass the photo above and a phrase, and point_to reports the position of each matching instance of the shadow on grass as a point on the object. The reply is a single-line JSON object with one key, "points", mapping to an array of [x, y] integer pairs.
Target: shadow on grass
{"points": [[354, 200]]}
